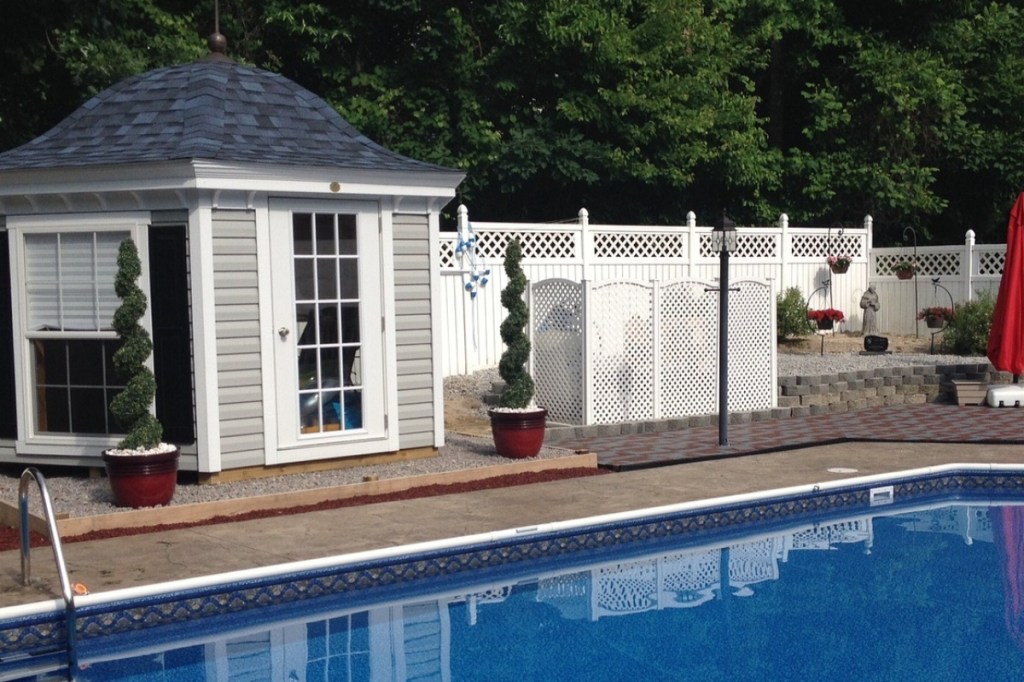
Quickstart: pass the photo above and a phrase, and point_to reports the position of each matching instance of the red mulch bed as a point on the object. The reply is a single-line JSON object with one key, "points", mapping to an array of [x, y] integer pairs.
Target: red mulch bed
{"points": [[10, 536]]}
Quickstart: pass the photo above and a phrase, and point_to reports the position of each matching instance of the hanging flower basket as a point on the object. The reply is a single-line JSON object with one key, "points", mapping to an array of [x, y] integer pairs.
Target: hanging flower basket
{"points": [[935, 322], [825, 323], [839, 264], [904, 268]]}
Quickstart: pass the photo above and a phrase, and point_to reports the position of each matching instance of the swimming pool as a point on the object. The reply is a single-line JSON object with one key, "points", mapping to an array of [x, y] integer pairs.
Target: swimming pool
{"points": [[532, 603]]}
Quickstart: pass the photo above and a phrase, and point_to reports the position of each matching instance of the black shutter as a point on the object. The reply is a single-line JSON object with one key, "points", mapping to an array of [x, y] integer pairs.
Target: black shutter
{"points": [[172, 338], [8, 416]]}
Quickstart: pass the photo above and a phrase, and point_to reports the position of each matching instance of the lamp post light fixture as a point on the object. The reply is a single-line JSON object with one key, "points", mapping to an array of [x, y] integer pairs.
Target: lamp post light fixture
{"points": [[723, 240]]}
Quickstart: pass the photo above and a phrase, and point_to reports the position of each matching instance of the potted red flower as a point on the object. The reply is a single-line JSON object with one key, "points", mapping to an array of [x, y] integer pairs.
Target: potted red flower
{"points": [[826, 317], [936, 317]]}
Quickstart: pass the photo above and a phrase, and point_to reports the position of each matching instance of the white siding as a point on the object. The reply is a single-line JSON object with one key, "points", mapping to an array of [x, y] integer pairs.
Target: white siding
{"points": [[412, 324], [239, 373]]}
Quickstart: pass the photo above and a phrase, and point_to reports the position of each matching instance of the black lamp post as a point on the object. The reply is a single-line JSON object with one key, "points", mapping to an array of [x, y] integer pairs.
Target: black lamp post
{"points": [[723, 240]]}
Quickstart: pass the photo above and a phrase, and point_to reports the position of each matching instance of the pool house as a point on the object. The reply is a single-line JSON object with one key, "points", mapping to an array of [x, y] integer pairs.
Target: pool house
{"points": [[289, 263]]}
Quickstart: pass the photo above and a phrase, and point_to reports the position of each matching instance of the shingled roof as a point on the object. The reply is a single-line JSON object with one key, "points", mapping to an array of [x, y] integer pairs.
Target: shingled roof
{"points": [[214, 110]]}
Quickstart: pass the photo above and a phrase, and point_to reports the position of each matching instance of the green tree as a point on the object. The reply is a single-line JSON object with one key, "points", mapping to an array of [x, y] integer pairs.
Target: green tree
{"points": [[56, 54], [639, 110]]}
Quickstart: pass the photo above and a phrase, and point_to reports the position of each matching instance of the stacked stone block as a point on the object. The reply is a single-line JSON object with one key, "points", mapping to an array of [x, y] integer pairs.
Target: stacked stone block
{"points": [[803, 396]]}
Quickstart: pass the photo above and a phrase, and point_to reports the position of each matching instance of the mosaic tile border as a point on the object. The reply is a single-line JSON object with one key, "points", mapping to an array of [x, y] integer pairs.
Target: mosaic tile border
{"points": [[48, 631]]}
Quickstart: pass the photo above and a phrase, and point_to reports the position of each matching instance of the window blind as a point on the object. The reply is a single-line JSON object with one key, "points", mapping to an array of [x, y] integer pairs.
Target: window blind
{"points": [[69, 280]]}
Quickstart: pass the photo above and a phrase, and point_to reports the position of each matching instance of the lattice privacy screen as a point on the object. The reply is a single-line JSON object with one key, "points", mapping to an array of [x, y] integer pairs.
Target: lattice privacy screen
{"points": [[556, 306], [631, 328]]}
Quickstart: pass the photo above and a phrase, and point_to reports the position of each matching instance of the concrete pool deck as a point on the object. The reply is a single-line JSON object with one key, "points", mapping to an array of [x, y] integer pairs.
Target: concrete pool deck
{"points": [[131, 561]]}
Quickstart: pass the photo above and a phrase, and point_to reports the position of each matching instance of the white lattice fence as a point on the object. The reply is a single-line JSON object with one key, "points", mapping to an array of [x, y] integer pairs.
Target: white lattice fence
{"points": [[781, 255], [946, 275], [650, 351]]}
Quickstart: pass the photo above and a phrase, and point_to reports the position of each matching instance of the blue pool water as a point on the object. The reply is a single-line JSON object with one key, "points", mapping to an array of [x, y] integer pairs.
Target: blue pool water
{"points": [[916, 576], [930, 591]]}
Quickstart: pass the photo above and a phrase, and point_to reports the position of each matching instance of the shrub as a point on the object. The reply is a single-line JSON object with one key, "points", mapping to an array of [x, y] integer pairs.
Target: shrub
{"points": [[791, 314], [967, 332], [131, 406], [518, 392]]}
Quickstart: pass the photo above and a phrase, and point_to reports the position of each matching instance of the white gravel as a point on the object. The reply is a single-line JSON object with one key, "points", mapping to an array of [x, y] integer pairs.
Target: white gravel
{"points": [[78, 495], [791, 365]]}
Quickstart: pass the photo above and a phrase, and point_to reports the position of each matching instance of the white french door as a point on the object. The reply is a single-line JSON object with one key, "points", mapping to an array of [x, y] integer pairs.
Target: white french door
{"points": [[328, 358]]}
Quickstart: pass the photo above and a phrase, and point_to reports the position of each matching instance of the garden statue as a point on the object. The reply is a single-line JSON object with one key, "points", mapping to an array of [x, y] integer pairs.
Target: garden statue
{"points": [[869, 304]]}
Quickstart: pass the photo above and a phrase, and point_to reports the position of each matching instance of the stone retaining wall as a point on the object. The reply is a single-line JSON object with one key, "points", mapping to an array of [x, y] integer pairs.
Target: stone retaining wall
{"points": [[804, 396]]}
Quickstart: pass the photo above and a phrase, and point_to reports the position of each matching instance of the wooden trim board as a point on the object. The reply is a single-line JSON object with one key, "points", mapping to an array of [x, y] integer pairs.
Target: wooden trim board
{"points": [[204, 511]]}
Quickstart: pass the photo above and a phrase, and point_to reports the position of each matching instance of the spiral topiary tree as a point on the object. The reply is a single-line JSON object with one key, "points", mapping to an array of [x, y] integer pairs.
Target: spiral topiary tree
{"points": [[519, 387], [131, 407]]}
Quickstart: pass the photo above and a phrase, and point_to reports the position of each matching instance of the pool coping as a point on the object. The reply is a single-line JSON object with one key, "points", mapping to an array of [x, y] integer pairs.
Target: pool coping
{"points": [[140, 608]]}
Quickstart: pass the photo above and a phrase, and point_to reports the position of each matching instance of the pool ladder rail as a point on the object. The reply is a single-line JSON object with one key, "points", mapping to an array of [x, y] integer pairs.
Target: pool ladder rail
{"points": [[27, 477]]}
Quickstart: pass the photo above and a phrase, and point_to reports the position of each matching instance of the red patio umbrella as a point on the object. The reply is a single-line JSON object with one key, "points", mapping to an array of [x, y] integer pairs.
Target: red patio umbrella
{"points": [[1006, 340]]}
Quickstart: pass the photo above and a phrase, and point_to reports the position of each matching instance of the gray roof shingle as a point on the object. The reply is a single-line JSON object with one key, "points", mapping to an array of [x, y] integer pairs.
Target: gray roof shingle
{"points": [[213, 110]]}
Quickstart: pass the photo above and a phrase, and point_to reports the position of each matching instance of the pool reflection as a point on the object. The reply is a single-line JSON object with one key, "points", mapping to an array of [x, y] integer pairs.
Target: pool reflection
{"points": [[863, 597]]}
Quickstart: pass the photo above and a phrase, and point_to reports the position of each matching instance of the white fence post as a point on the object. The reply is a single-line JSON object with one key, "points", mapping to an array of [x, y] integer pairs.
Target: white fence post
{"points": [[869, 227], [786, 253], [693, 250], [656, 349], [588, 352], [463, 222], [586, 244], [968, 265]]}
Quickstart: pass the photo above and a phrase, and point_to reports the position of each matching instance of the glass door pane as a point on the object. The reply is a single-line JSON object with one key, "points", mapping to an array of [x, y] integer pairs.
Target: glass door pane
{"points": [[327, 320]]}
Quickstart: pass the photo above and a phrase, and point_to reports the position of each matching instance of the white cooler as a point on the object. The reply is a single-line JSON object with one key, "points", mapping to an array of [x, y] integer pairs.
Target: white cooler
{"points": [[1011, 395]]}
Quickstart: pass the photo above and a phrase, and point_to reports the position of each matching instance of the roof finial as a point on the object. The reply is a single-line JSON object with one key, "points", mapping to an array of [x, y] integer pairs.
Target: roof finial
{"points": [[217, 42]]}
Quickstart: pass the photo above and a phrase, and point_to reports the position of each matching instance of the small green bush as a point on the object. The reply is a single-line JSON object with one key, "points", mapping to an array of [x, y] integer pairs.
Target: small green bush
{"points": [[791, 314], [967, 333]]}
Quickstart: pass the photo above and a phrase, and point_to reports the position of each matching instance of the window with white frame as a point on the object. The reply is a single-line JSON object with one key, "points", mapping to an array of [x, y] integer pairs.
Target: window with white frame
{"points": [[69, 305], [66, 302]]}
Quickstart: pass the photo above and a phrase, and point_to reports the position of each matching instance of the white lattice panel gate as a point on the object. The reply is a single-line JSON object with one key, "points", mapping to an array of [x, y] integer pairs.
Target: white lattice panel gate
{"points": [[631, 351]]}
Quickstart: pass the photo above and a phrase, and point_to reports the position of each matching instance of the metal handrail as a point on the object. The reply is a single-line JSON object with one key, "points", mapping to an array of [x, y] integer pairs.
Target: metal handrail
{"points": [[28, 475]]}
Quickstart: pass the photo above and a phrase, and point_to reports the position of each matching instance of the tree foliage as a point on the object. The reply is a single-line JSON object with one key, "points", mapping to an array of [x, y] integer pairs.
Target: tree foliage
{"points": [[638, 110]]}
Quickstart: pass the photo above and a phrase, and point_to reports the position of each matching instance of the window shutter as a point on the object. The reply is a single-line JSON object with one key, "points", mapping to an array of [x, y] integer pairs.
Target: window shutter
{"points": [[172, 333], [8, 405]]}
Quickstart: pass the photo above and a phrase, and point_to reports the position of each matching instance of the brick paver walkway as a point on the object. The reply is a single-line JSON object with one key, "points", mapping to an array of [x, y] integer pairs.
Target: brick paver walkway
{"points": [[929, 423]]}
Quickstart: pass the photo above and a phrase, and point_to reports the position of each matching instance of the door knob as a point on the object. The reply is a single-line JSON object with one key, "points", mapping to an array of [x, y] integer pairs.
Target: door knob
{"points": [[283, 332]]}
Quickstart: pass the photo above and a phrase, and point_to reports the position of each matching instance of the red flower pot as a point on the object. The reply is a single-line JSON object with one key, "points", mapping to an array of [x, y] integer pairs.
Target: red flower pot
{"points": [[142, 480], [517, 434]]}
